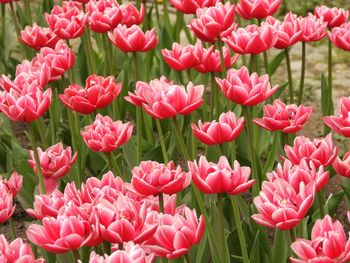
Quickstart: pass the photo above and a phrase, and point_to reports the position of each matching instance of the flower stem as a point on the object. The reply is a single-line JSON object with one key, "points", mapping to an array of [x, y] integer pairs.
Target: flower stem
{"points": [[15, 19], [138, 114], [76, 255], [107, 247], [74, 138], [290, 77], [215, 105], [241, 237], [224, 248], [28, 11], [320, 200], [180, 140], [13, 229], [112, 164], [36, 156], [188, 258], [222, 58], [161, 202], [162, 143], [302, 79], [292, 235]]}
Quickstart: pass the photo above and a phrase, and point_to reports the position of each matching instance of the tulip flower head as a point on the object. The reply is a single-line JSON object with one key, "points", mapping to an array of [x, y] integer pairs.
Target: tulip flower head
{"points": [[6, 203], [342, 167], [340, 36], [14, 183], [191, 6], [258, 9], [334, 16], [340, 124], [130, 14], [38, 37], [314, 29]]}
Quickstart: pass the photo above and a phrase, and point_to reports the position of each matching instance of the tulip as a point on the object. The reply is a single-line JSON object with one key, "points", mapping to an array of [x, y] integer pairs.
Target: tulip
{"points": [[38, 37], [211, 178], [98, 93], [180, 58], [320, 151], [340, 36], [259, 9], [191, 6], [342, 167], [103, 16], [7, 1], [226, 129], [287, 118], [130, 14], [245, 89], [212, 22], [17, 251], [152, 178], [340, 124], [162, 99], [6, 203], [334, 16], [176, 233], [68, 21], [252, 39], [328, 243], [314, 29], [14, 183], [288, 31], [132, 39], [282, 206], [304, 172], [104, 135], [73, 194]]}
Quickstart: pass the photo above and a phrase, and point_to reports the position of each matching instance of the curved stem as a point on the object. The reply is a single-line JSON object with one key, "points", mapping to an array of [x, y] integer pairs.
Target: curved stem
{"points": [[222, 58], [112, 164], [76, 255], [290, 77], [302, 79], [241, 237], [162, 143], [188, 258], [224, 248], [180, 140]]}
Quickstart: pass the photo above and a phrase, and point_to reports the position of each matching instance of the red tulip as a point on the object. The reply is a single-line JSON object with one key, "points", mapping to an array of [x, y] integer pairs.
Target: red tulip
{"points": [[132, 39], [252, 39], [6, 203], [191, 6], [103, 15], [7, 1], [314, 29], [38, 37], [161, 99], [259, 9], [180, 58], [340, 124], [289, 31], [98, 93], [176, 233], [17, 251], [130, 14], [104, 135], [14, 183], [152, 178], [68, 21], [281, 206], [342, 167], [245, 89], [288, 118], [332, 16], [320, 151], [212, 22], [328, 244], [340, 36], [226, 129], [211, 178]]}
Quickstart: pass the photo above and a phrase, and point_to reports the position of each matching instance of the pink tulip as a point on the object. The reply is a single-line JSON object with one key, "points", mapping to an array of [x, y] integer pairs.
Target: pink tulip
{"points": [[320, 151], [38, 37], [98, 93], [288, 118], [211, 178], [180, 58], [245, 89], [7, 1], [288, 31], [67, 21], [259, 9], [332, 16], [103, 16], [17, 251], [328, 244], [152, 178], [314, 29], [133, 39], [162, 99], [340, 124], [304, 172], [104, 135], [340, 36], [130, 14], [6, 203], [214, 21], [191, 6], [47, 205], [176, 233], [226, 129], [342, 167], [14, 183], [252, 39], [281, 206]]}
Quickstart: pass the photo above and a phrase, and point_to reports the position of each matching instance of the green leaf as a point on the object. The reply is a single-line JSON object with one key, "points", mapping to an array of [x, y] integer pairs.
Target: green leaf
{"points": [[279, 249], [272, 154], [274, 64], [255, 251], [331, 205]]}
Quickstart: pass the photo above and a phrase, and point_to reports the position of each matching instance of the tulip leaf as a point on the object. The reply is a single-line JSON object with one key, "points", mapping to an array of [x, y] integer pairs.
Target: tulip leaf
{"points": [[331, 205], [272, 153], [255, 250], [279, 250], [202, 251], [274, 64], [326, 98]]}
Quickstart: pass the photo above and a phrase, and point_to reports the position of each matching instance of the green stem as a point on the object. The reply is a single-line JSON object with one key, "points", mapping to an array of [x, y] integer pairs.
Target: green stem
{"points": [[330, 71], [241, 237], [139, 134], [3, 20], [188, 258], [292, 235], [157, 10], [224, 249], [90, 50], [320, 200], [222, 58], [254, 64], [162, 143], [302, 79], [107, 247], [40, 125], [15, 19], [13, 229], [180, 140], [28, 11], [32, 139], [161, 202], [193, 138], [166, 13], [52, 114], [112, 164], [290, 77], [74, 138], [76, 255], [215, 105]]}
